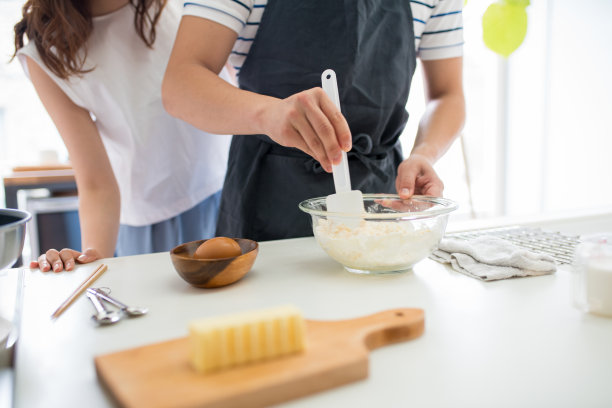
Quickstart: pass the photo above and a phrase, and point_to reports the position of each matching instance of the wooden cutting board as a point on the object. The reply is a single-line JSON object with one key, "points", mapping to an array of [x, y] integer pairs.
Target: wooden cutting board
{"points": [[159, 375]]}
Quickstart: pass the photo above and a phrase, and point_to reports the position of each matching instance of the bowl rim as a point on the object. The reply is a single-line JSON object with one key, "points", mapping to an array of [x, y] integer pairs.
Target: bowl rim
{"points": [[448, 206], [173, 252], [23, 216]]}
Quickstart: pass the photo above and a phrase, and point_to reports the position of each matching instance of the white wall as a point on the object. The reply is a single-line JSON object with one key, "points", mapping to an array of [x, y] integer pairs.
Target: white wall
{"points": [[560, 135]]}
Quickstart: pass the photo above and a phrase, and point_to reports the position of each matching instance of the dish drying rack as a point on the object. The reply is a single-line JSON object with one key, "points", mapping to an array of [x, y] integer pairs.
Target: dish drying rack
{"points": [[560, 246]]}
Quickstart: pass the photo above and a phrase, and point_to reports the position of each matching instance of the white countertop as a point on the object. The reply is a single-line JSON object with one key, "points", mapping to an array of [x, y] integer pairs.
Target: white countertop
{"points": [[514, 343]]}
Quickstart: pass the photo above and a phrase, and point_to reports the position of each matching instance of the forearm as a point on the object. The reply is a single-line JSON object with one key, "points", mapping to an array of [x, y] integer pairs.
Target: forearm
{"points": [[195, 94], [439, 127], [98, 190], [99, 217]]}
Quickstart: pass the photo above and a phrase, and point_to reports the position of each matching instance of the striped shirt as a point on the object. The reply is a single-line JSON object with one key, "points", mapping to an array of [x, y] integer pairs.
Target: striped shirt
{"points": [[438, 25]]}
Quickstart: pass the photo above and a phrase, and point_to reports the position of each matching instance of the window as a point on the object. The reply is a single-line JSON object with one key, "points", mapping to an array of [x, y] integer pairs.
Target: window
{"points": [[477, 151], [559, 135], [537, 135]]}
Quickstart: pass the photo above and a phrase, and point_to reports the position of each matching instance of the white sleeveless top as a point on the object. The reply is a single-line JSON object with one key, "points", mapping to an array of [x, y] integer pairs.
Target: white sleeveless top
{"points": [[163, 165]]}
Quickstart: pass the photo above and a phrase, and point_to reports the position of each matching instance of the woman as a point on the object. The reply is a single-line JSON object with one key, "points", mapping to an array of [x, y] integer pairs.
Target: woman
{"points": [[146, 180], [281, 117]]}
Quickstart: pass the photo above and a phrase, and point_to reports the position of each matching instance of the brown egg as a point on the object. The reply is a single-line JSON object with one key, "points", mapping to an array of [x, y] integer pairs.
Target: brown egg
{"points": [[216, 248]]}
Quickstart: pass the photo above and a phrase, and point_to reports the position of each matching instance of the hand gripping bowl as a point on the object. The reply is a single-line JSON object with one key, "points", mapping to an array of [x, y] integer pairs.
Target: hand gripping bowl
{"points": [[12, 235], [391, 236]]}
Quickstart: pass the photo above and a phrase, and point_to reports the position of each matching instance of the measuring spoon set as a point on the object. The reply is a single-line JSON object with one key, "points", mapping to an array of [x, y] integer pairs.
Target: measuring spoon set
{"points": [[104, 316]]}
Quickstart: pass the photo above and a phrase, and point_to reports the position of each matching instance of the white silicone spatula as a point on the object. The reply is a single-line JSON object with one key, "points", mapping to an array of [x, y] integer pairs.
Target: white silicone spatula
{"points": [[345, 200]]}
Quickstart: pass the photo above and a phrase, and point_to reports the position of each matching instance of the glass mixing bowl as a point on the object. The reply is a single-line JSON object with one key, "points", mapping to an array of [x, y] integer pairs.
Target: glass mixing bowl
{"points": [[391, 236]]}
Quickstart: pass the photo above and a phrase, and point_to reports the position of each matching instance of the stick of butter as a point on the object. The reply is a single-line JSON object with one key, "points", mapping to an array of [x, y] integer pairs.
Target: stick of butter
{"points": [[225, 341]]}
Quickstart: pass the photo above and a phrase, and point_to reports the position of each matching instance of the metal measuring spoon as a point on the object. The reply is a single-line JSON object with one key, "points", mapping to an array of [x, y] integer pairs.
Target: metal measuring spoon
{"points": [[102, 316], [131, 311]]}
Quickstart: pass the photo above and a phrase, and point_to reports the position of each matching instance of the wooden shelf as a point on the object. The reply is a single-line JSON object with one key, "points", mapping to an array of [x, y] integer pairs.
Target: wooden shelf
{"points": [[30, 177]]}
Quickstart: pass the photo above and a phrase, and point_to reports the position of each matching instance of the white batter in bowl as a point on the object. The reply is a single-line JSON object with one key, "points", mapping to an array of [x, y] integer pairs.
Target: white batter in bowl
{"points": [[391, 236]]}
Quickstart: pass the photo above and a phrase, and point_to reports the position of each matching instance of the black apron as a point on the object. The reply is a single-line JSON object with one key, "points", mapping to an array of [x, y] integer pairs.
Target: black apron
{"points": [[370, 46]]}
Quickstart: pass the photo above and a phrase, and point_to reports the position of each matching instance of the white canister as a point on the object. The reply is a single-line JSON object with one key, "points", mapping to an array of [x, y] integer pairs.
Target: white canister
{"points": [[593, 274]]}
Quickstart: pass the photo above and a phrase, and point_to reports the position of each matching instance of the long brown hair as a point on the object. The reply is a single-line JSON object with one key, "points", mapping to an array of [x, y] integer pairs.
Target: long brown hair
{"points": [[60, 29]]}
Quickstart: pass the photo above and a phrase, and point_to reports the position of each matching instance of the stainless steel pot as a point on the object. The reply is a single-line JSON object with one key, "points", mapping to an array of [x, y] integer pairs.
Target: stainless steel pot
{"points": [[12, 235]]}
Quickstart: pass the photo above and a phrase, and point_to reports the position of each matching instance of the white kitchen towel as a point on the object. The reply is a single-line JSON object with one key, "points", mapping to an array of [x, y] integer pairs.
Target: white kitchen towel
{"points": [[490, 258]]}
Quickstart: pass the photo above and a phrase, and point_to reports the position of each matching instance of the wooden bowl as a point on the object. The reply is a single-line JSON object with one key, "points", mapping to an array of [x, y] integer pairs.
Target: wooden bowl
{"points": [[212, 273]]}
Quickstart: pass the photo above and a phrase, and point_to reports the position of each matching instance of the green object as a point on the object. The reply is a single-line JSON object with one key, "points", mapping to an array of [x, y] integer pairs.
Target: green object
{"points": [[504, 25], [523, 3]]}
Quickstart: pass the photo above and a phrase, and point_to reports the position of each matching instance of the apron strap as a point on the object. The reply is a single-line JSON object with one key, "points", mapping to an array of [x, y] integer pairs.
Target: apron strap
{"points": [[362, 149]]}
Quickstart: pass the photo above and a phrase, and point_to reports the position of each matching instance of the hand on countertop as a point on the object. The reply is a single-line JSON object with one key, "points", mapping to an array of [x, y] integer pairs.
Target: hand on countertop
{"points": [[64, 259], [416, 175]]}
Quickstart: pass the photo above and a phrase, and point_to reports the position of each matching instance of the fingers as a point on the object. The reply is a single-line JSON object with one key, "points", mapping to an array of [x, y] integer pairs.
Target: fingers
{"points": [[313, 124], [330, 127], [319, 133], [406, 180], [43, 265], [313, 144], [433, 187], [57, 260], [51, 261], [89, 255], [68, 258], [337, 121], [417, 176]]}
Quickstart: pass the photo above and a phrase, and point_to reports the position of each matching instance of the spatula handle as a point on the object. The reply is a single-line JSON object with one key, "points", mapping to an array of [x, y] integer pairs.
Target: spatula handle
{"points": [[342, 178], [330, 86]]}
